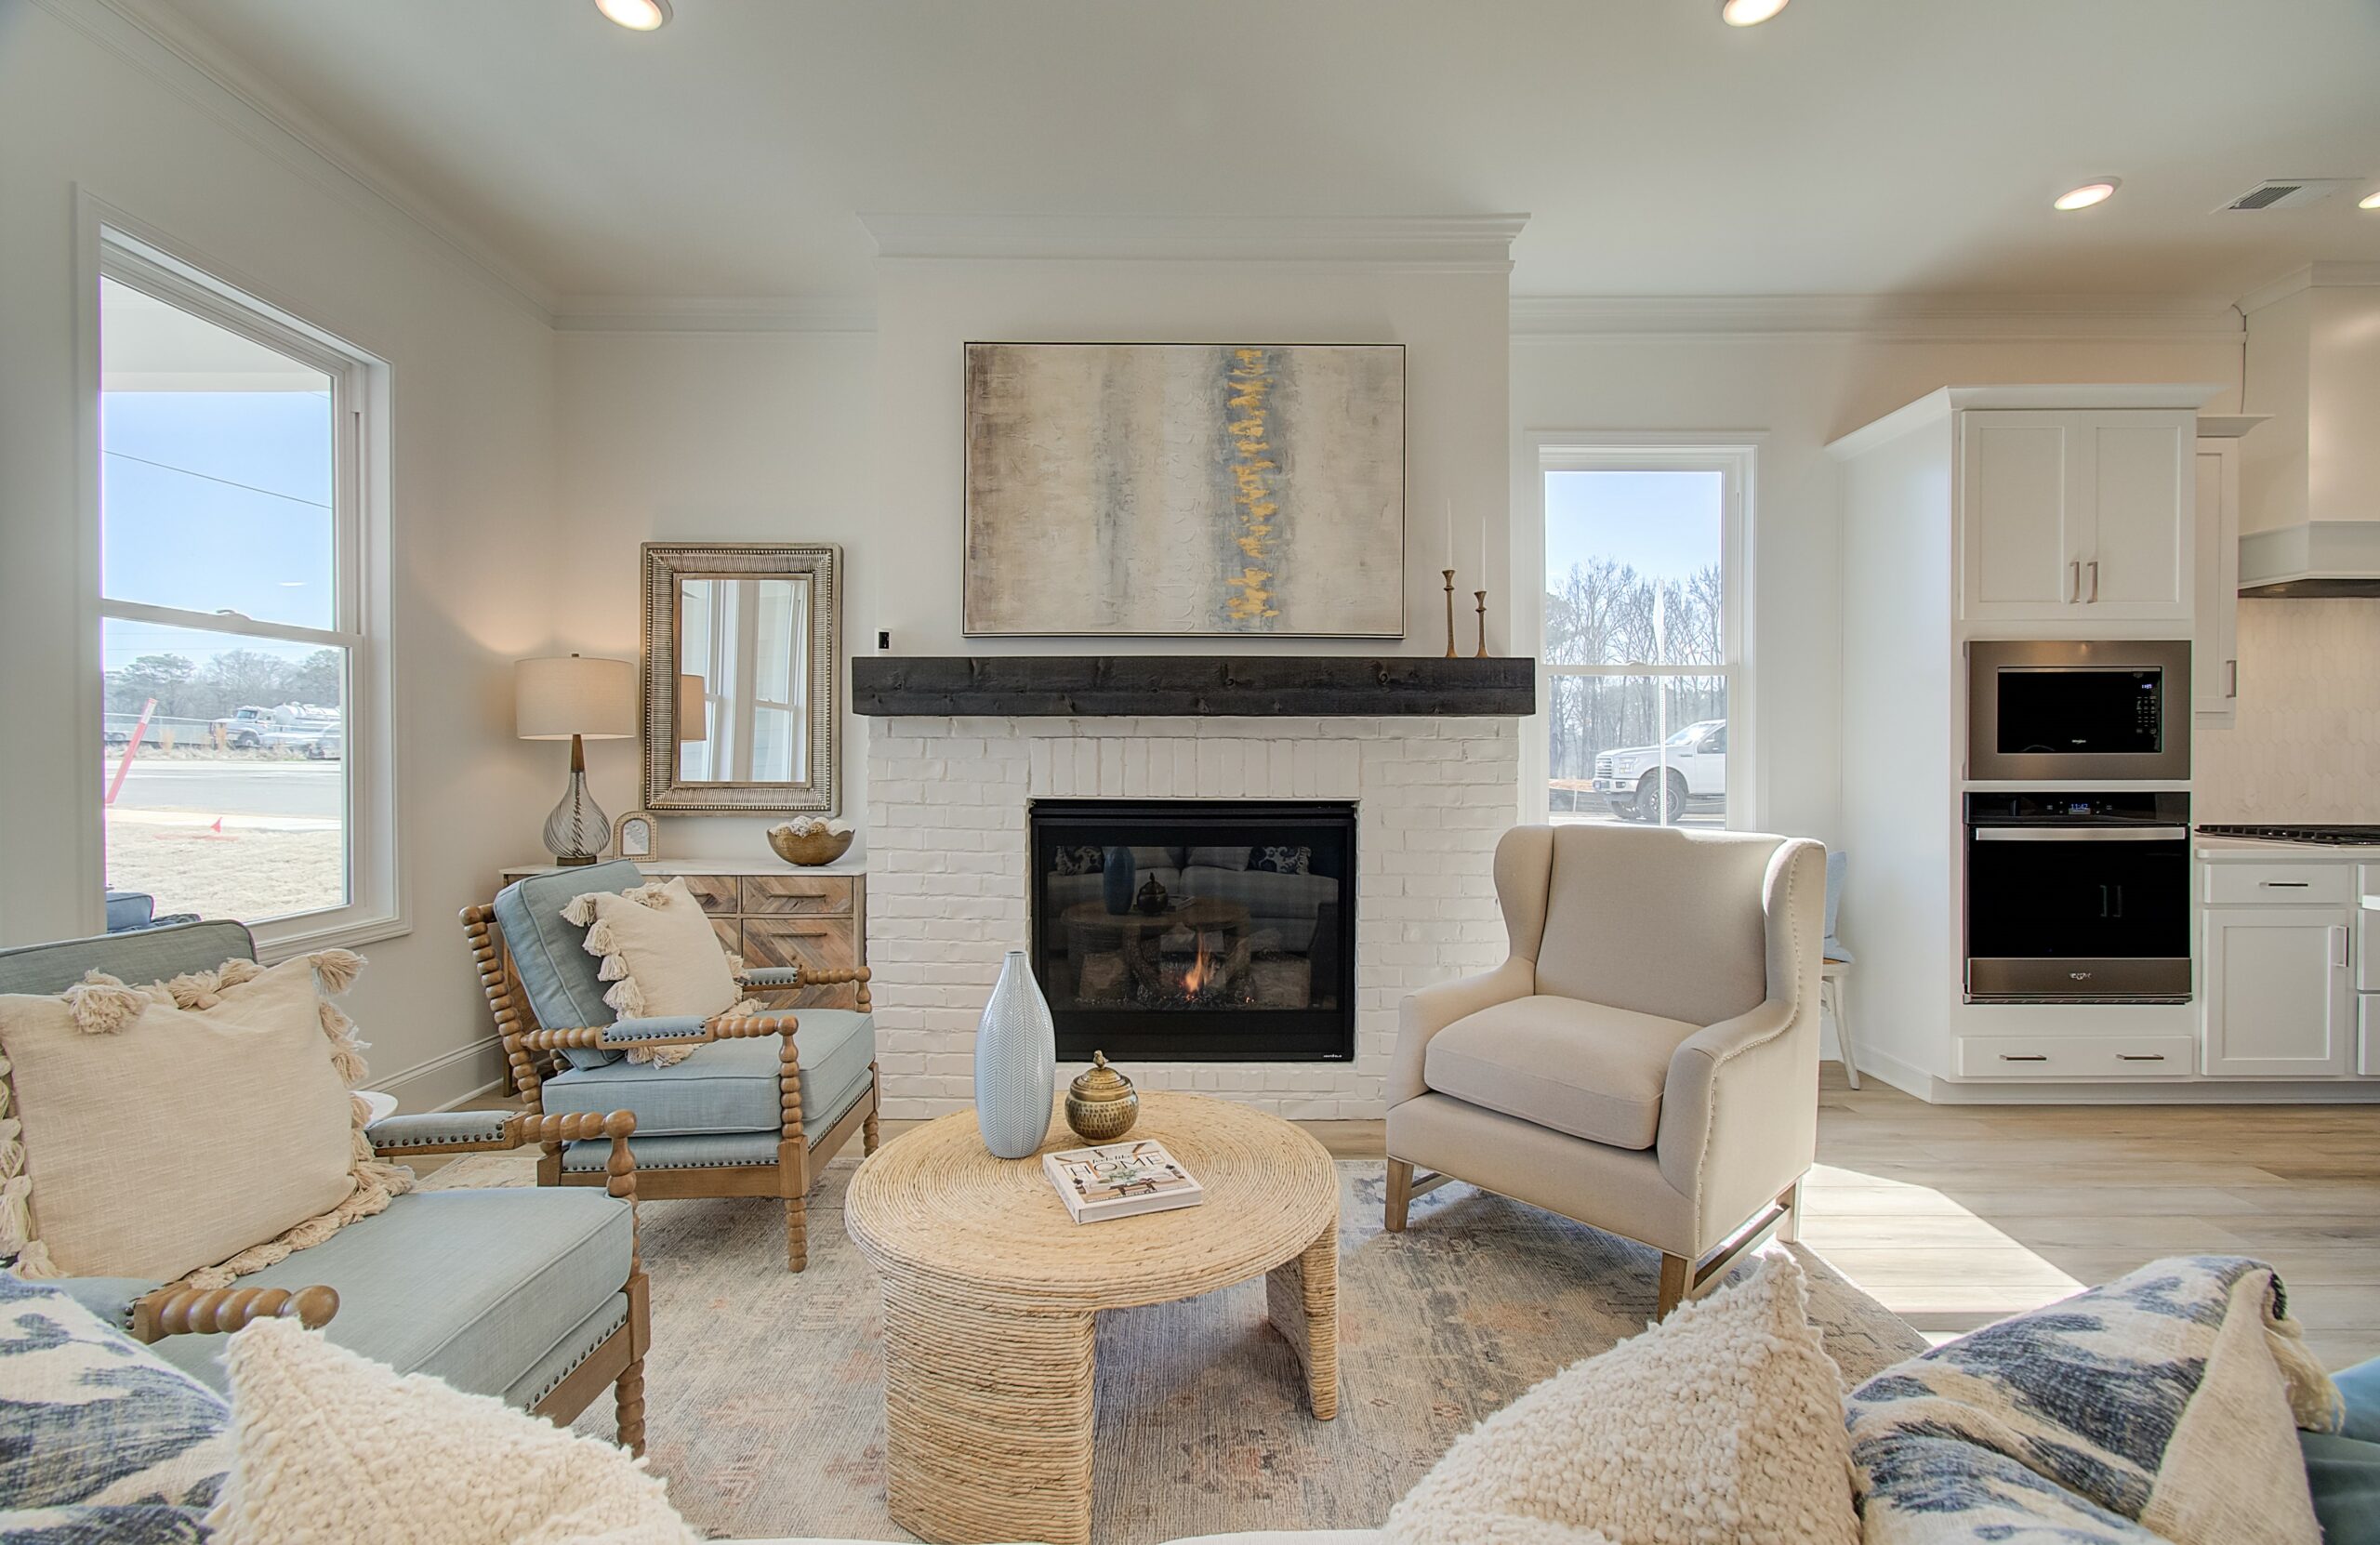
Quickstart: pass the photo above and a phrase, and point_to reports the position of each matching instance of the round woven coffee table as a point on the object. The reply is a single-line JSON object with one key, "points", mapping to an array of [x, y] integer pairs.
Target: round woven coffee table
{"points": [[990, 1288]]}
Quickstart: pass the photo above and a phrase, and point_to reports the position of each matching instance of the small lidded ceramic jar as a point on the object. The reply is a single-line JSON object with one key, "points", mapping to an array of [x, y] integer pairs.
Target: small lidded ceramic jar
{"points": [[1101, 1103]]}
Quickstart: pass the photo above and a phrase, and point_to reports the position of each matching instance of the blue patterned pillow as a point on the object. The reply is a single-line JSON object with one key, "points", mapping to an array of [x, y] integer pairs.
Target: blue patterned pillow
{"points": [[99, 1439]]}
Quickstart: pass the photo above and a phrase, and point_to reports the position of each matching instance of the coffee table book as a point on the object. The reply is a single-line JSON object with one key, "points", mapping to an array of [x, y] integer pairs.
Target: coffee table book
{"points": [[1120, 1179]]}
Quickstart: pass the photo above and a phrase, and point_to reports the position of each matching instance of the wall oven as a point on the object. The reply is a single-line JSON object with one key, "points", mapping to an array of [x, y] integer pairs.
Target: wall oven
{"points": [[2064, 711], [2078, 897]]}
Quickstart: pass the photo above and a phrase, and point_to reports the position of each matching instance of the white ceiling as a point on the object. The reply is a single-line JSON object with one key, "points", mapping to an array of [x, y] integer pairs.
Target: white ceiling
{"points": [[1850, 147]]}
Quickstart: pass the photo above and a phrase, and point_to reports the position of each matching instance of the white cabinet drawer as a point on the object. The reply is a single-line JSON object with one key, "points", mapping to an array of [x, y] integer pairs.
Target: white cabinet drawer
{"points": [[2076, 1056], [2293, 884]]}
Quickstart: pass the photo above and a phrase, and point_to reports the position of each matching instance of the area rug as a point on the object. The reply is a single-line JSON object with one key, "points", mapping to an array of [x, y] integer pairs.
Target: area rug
{"points": [[764, 1406]]}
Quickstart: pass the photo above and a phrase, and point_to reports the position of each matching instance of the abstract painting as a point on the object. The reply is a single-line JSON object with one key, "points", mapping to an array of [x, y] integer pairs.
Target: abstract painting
{"points": [[1185, 488]]}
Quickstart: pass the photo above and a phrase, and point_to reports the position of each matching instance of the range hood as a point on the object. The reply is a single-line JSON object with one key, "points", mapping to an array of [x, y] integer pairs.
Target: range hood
{"points": [[2310, 478]]}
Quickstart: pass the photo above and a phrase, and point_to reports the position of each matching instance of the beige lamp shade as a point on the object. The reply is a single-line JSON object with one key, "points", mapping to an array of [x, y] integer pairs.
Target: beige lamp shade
{"points": [[694, 717], [570, 694]]}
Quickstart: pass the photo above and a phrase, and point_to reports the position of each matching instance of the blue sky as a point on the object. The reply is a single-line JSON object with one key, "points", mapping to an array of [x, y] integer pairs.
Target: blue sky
{"points": [[1665, 524], [216, 499]]}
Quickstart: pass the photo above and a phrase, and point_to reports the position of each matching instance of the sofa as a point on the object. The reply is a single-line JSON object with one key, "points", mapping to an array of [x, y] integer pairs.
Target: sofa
{"points": [[2342, 1468]]}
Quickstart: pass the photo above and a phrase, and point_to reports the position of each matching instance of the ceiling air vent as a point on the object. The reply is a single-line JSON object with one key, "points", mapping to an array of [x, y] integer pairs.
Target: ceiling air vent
{"points": [[2284, 192]]}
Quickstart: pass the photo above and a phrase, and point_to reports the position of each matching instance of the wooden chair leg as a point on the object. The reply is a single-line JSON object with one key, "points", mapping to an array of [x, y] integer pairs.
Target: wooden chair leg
{"points": [[1400, 1194], [629, 1393], [797, 1235], [1672, 1291], [876, 1101]]}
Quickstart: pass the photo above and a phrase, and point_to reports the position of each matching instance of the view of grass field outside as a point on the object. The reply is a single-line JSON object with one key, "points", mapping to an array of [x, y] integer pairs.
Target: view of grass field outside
{"points": [[1633, 606], [223, 759]]}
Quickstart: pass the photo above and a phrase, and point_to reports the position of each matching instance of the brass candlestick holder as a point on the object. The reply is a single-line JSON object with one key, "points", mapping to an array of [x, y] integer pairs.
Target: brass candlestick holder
{"points": [[1450, 573], [1481, 596]]}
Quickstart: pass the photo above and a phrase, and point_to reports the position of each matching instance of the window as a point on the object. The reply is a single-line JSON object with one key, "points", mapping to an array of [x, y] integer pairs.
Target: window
{"points": [[242, 762], [1640, 633]]}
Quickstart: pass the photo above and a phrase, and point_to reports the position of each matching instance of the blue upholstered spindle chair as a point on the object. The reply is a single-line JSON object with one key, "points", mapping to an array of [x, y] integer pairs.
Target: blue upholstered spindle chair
{"points": [[758, 1109], [536, 1297]]}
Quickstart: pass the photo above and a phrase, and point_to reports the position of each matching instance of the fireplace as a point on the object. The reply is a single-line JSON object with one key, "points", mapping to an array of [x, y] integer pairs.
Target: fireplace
{"points": [[1197, 931]]}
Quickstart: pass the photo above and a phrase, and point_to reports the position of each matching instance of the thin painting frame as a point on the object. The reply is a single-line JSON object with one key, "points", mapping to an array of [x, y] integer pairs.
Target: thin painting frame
{"points": [[1145, 492]]}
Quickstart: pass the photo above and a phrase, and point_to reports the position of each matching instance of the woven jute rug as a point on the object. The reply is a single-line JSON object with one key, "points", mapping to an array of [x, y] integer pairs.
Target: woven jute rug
{"points": [[765, 1410]]}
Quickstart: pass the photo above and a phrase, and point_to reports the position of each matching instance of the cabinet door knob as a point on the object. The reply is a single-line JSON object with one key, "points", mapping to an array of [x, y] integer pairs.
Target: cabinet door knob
{"points": [[2095, 582], [2230, 678], [2073, 581]]}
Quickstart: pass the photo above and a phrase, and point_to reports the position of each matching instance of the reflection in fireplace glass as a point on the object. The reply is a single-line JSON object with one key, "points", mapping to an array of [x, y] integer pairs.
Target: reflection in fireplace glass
{"points": [[1183, 928]]}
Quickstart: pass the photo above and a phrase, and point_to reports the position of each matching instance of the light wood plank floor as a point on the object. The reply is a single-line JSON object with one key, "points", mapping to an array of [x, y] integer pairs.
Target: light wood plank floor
{"points": [[1954, 1216]]}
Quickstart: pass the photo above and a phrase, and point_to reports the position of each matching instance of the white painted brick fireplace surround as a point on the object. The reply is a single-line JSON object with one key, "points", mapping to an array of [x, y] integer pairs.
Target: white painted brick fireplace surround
{"points": [[946, 843]]}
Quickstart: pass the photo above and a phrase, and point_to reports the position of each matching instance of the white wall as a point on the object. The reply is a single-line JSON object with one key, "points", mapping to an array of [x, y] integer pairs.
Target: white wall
{"points": [[687, 437], [1453, 324], [1800, 391], [472, 387]]}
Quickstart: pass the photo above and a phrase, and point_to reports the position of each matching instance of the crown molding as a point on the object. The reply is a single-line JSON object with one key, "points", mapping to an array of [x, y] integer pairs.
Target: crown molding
{"points": [[208, 77], [2313, 276], [1466, 243], [1898, 319], [634, 314]]}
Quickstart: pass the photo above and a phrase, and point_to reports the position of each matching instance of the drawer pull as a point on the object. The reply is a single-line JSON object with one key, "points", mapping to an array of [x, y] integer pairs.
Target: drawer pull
{"points": [[2282, 884], [2026, 1057], [2140, 1056]]}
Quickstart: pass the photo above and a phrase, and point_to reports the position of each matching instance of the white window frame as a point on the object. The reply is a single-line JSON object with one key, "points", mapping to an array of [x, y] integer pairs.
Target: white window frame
{"points": [[1735, 457], [119, 249]]}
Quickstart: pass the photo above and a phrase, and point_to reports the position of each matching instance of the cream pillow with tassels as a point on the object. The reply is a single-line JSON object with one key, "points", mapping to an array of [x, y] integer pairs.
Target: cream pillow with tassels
{"points": [[661, 955], [1723, 1423], [198, 1129], [336, 1447]]}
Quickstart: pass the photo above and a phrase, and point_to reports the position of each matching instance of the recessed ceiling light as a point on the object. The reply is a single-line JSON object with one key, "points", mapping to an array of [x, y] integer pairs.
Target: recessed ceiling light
{"points": [[2088, 195], [2371, 203], [636, 16], [1749, 13]]}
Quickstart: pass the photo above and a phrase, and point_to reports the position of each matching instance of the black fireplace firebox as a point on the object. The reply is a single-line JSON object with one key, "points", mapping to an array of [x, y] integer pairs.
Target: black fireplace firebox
{"points": [[1197, 930]]}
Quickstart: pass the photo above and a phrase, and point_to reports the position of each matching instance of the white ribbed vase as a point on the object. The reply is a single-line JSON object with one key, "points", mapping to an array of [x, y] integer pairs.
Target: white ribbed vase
{"points": [[1016, 1064]]}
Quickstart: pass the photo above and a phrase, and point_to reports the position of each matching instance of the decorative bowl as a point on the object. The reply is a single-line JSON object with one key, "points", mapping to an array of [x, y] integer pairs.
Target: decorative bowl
{"points": [[812, 848], [1101, 1103]]}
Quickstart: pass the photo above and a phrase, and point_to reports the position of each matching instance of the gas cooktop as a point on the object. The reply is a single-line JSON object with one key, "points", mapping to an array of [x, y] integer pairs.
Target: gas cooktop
{"points": [[2328, 837]]}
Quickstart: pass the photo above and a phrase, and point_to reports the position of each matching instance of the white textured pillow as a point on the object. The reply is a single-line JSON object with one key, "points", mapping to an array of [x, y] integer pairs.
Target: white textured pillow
{"points": [[333, 1447], [660, 954], [201, 1126], [1722, 1423]]}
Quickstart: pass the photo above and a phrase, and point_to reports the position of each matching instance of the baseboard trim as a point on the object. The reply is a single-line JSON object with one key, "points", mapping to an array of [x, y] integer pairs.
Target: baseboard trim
{"points": [[396, 1083]]}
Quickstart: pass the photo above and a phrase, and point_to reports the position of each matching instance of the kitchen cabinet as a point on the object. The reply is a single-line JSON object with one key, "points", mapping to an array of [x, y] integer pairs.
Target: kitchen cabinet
{"points": [[2215, 678], [2079, 516], [2280, 994]]}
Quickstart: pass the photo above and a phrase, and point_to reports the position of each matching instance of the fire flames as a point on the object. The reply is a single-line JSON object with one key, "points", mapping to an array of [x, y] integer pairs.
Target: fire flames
{"points": [[1201, 971]]}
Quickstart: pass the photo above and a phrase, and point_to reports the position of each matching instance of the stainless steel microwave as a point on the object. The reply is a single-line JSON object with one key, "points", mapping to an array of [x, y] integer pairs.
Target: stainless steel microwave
{"points": [[2058, 710]]}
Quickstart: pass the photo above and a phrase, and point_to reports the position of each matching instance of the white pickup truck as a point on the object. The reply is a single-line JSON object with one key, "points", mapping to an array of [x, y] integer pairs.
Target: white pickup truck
{"points": [[292, 726], [1661, 783]]}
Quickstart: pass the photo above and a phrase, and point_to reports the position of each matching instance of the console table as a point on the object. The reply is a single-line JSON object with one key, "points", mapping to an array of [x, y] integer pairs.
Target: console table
{"points": [[774, 914]]}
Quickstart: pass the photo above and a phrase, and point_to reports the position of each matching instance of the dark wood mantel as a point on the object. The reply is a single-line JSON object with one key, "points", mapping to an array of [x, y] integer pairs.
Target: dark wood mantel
{"points": [[1237, 685]]}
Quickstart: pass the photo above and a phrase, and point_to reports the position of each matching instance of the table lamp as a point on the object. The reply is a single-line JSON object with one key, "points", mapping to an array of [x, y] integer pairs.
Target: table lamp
{"points": [[571, 697]]}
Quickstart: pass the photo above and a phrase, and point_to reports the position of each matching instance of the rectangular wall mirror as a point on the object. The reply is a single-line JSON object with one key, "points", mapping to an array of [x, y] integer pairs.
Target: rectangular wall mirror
{"points": [[743, 649]]}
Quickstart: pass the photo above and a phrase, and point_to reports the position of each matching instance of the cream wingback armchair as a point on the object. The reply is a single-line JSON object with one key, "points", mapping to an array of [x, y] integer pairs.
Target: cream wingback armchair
{"points": [[1647, 1060]]}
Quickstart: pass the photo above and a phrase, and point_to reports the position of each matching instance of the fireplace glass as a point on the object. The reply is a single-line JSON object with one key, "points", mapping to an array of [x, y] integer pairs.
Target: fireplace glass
{"points": [[1197, 930]]}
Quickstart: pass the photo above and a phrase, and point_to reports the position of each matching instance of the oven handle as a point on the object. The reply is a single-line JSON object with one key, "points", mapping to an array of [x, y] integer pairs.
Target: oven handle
{"points": [[2081, 834]]}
